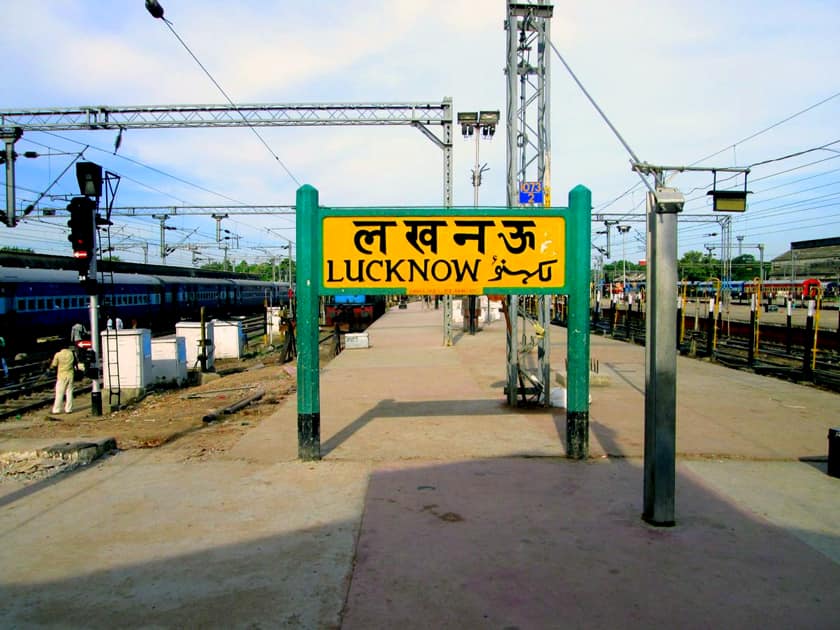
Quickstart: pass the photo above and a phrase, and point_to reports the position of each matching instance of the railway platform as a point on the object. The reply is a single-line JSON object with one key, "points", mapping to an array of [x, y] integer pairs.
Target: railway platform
{"points": [[436, 505]]}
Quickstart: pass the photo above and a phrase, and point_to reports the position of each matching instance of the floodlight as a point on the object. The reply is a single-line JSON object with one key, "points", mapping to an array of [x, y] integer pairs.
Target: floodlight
{"points": [[521, 9], [669, 200], [489, 118]]}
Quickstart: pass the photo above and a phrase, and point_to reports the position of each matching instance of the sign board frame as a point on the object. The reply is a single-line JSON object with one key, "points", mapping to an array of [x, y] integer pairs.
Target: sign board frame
{"points": [[310, 219]]}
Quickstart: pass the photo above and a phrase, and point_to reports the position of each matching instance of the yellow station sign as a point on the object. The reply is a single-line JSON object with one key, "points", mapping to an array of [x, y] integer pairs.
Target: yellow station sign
{"points": [[444, 254]]}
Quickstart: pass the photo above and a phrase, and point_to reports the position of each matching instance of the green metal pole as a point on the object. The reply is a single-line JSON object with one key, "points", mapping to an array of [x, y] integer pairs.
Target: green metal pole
{"points": [[308, 280], [578, 239]]}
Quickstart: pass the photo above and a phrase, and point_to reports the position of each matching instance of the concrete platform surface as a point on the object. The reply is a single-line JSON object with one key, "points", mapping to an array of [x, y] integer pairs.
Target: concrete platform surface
{"points": [[436, 505]]}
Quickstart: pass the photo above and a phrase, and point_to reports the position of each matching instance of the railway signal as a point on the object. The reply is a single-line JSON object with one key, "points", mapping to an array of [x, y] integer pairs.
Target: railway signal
{"points": [[82, 230]]}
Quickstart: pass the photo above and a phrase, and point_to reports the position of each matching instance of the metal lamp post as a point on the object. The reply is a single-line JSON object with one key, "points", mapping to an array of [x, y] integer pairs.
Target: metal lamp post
{"points": [[477, 124]]}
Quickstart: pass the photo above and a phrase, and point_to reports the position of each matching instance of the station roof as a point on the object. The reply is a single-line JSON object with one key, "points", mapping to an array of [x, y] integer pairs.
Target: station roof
{"points": [[819, 252]]}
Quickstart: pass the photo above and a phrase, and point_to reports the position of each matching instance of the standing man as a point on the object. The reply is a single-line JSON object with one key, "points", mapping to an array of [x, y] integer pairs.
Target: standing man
{"points": [[65, 361], [77, 332]]}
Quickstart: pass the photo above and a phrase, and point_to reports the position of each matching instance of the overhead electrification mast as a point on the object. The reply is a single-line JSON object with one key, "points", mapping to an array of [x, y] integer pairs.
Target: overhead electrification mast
{"points": [[528, 168]]}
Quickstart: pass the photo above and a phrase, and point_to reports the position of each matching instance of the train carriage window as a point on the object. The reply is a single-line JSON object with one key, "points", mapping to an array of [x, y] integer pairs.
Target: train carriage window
{"points": [[21, 304], [40, 304], [49, 303]]}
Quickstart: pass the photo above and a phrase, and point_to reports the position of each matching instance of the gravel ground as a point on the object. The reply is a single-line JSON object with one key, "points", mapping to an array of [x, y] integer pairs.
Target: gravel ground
{"points": [[174, 417]]}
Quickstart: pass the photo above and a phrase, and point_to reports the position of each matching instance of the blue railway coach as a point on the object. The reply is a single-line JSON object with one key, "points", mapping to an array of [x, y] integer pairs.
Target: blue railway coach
{"points": [[43, 304]]}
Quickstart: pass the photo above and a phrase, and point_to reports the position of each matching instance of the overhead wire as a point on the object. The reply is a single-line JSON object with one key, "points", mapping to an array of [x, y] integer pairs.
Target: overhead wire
{"points": [[732, 146], [766, 129], [140, 226], [229, 100], [691, 227], [149, 167]]}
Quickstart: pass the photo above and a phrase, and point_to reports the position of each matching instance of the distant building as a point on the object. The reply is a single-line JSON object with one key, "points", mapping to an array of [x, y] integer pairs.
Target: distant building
{"points": [[818, 258]]}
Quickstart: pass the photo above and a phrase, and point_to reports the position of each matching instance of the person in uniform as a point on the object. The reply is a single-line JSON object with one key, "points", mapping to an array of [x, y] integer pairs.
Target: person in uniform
{"points": [[65, 361], [77, 332]]}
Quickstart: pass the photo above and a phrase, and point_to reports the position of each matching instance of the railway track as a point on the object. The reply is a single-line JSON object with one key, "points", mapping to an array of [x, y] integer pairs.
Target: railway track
{"points": [[32, 388], [31, 385], [780, 352]]}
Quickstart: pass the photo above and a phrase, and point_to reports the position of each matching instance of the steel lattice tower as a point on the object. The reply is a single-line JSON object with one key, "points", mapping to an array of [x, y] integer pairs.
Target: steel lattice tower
{"points": [[528, 160]]}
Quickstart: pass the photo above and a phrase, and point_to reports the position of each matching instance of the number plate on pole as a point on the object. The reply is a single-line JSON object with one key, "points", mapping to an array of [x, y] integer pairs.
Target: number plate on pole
{"points": [[530, 192]]}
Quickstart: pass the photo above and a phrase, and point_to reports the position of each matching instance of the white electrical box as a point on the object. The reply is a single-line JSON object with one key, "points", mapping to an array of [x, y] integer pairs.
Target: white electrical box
{"points": [[228, 339], [169, 360], [127, 353], [191, 332]]}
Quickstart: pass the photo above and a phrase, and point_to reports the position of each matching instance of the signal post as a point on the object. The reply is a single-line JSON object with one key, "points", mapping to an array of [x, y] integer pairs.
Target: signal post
{"points": [[83, 222]]}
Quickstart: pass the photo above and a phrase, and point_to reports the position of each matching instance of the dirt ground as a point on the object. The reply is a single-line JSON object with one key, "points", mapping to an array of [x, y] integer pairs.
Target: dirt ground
{"points": [[176, 415]]}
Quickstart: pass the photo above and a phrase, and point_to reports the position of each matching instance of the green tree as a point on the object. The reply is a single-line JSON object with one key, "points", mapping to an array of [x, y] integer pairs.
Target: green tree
{"points": [[613, 271], [695, 265], [745, 267], [213, 266]]}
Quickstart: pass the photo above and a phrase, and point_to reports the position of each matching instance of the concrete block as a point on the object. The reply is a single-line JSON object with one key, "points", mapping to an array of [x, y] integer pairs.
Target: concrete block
{"points": [[353, 341]]}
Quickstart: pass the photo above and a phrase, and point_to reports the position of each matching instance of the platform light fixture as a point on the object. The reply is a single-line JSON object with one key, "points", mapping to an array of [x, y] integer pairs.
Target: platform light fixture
{"points": [[487, 121], [669, 200], [522, 9], [478, 124], [468, 122]]}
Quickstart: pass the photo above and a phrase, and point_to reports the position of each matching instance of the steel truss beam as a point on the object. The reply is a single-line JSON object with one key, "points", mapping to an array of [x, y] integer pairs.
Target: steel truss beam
{"points": [[420, 115], [151, 211], [245, 115]]}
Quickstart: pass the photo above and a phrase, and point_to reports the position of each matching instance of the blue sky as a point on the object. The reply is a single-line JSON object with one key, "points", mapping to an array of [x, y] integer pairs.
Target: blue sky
{"points": [[679, 80]]}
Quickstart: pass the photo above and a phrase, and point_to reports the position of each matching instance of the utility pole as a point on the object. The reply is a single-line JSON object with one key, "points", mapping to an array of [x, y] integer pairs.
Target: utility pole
{"points": [[163, 227], [9, 137], [219, 218], [623, 229], [660, 353]]}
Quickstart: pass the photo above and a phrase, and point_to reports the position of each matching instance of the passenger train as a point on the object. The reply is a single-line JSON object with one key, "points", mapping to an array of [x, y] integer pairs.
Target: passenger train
{"points": [[45, 303], [801, 289]]}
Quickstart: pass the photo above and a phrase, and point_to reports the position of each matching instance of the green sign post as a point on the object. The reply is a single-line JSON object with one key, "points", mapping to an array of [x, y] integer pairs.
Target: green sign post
{"points": [[442, 251]]}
